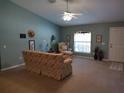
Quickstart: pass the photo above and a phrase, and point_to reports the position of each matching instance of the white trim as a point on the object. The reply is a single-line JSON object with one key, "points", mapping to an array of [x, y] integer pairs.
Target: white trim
{"points": [[91, 58], [12, 67], [111, 28], [106, 60], [87, 57]]}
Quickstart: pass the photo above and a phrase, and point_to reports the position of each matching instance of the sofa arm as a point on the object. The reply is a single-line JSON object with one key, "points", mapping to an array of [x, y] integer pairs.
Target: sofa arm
{"points": [[68, 60]]}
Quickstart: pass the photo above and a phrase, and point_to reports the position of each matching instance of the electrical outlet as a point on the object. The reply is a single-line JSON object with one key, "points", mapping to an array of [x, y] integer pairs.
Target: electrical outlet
{"points": [[4, 46]]}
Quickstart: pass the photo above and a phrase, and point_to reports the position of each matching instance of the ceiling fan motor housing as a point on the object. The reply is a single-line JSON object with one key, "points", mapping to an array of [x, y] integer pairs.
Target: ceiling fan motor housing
{"points": [[52, 1]]}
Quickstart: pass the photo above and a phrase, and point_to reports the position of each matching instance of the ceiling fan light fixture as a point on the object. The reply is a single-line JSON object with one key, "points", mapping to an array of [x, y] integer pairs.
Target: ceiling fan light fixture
{"points": [[67, 16]]}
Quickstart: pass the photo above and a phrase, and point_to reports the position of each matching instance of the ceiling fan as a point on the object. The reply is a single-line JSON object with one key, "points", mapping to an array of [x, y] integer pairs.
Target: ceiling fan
{"points": [[68, 16]]}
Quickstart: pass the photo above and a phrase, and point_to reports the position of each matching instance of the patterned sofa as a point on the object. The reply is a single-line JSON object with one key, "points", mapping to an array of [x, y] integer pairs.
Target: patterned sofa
{"points": [[49, 64]]}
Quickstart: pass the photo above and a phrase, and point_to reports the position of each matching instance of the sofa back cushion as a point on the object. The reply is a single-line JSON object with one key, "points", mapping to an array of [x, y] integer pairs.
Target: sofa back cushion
{"points": [[36, 56]]}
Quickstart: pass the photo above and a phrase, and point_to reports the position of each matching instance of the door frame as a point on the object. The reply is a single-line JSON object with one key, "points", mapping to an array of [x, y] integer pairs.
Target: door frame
{"points": [[110, 29]]}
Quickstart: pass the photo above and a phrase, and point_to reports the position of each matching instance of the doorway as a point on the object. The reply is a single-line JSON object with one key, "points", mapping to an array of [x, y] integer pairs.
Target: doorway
{"points": [[116, 44]]}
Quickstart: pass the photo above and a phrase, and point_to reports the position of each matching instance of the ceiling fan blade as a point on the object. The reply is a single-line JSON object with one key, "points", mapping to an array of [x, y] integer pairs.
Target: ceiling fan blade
{"points": [[61, 14], [76, 13], [74, 17]]}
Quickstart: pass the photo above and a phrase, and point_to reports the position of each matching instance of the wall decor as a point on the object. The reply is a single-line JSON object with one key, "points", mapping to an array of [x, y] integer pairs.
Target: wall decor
{"points": [[31, 33], [52, 38], [99, 38], [31, 44], [22, 35]]}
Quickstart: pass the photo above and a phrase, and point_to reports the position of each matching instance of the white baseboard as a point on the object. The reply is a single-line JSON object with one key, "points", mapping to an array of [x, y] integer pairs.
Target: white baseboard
{"points": [[87, 57], [91, 58], [12, 67], [106, 60]]}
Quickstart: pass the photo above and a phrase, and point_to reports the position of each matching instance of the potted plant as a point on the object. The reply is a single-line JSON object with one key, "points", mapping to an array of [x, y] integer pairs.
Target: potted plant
{"points": [[99, 55], [53, 44], [96, 53]]}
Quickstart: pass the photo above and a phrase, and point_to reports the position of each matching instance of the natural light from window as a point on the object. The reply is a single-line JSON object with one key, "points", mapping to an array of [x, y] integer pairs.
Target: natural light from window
{"points": [[82, 42]]}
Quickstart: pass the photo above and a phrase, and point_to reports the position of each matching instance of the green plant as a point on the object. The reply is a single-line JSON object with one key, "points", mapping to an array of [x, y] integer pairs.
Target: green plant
{"points": [[53, 44], [98, 54]]}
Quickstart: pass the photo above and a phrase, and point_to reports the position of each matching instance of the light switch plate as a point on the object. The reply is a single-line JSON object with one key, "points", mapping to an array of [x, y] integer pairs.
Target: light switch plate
{"points": [[20, 58], [4, 46]]}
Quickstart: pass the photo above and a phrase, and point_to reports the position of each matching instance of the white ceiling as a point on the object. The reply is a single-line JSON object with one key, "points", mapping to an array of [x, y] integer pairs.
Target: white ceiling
{"points": [[94, 11]]}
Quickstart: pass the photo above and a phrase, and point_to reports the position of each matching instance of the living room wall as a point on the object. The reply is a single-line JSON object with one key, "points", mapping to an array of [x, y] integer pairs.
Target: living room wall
{"points": [[100, 28], [15, 20]]}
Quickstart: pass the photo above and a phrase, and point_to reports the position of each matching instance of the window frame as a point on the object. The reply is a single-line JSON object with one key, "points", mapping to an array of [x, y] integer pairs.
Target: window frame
{"points": [[82, 41]]}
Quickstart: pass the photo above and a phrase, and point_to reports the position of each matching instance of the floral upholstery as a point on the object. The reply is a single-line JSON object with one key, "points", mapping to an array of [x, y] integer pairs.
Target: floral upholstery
{"points": [[49, 64], [62, 46], [67, 54]]}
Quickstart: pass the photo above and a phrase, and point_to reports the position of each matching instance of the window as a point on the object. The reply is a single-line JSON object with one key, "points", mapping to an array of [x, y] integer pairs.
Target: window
{"points": [[82, 42]]}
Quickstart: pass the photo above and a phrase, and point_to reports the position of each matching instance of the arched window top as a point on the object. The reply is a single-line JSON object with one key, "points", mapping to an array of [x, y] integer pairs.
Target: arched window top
{"points": [[83, 32]]}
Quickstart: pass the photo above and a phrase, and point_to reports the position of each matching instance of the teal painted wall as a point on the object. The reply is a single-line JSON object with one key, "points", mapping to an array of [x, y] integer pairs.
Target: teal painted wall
{"points": [[102, 28], [15, 20]]}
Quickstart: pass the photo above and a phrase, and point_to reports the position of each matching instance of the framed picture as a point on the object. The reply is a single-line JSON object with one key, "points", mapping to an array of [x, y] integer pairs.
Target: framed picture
{"points": [[99, 38], [22, 35], [31, 44]]}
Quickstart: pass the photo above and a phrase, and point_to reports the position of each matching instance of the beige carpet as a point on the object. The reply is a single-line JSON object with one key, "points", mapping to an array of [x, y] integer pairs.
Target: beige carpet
{"points": [[88, 77]]}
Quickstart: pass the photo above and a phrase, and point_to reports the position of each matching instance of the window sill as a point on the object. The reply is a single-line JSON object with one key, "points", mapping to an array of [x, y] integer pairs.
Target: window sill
{"points": [[82, 52]]}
